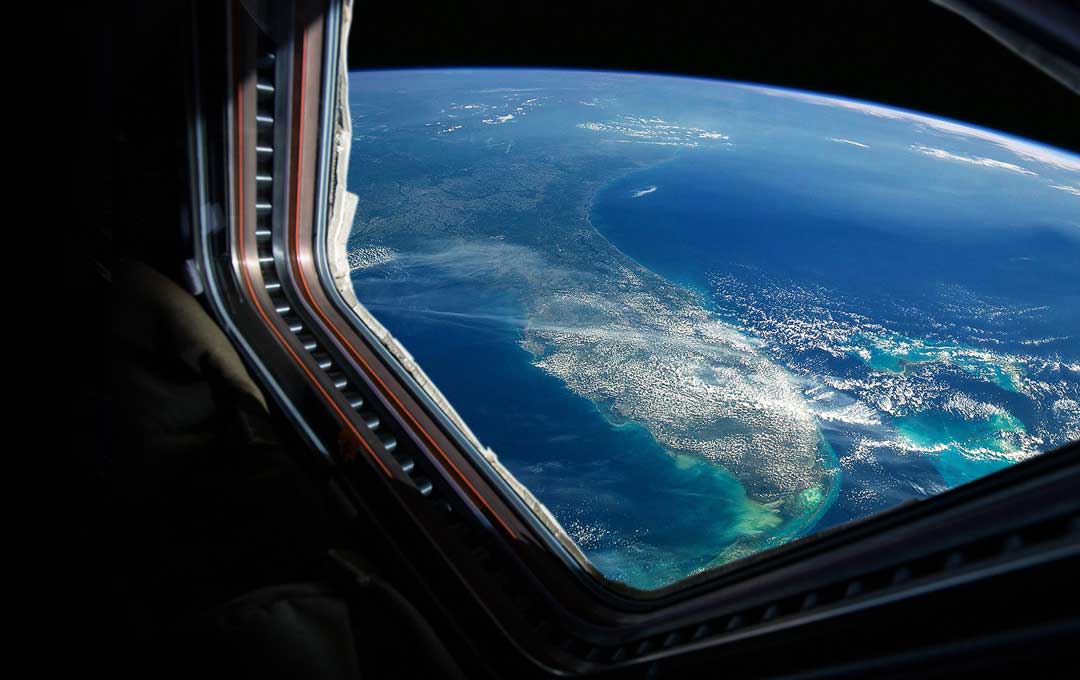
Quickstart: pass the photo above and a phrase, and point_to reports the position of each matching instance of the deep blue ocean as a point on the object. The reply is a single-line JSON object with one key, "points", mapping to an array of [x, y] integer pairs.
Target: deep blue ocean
{"points": [[711, 210]]}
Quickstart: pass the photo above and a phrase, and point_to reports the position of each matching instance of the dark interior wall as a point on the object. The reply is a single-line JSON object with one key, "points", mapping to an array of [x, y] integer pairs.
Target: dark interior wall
{"points": [[123, 74], [908, 53], [149, 131], [128, 175]]}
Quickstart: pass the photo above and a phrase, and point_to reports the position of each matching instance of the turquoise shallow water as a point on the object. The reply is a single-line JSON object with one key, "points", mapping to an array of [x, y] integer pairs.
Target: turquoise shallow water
{"points": [[964, 449], [896, 353]]}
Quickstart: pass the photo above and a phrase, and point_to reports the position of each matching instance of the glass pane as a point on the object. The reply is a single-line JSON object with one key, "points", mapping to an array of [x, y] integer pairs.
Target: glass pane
{"points": [[699, 319]]}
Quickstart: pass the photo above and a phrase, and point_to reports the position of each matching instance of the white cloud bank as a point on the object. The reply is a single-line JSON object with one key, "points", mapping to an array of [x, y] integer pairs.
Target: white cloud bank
{"points": [[841, 140], [642, 130], [973, 160], [1029, 151], [1075, 190]]}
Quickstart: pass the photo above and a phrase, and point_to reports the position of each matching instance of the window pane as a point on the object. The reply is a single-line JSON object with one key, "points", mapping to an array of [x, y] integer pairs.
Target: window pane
{"points": [[699, 319]]}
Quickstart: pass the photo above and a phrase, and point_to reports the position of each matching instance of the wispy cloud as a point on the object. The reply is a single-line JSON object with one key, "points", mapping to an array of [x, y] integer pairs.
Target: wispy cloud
{"points": [[641, 192], [493, 90], [973, 160], [1026, 150], [841, 140], [1075, 190]]}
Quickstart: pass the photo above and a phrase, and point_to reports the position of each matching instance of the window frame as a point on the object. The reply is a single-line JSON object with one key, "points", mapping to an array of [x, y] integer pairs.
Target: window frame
{"points": [[482, 534]]}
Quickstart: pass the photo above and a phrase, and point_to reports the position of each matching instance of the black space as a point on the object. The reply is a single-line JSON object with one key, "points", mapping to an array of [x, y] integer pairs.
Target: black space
{"points": [[907, 53]]}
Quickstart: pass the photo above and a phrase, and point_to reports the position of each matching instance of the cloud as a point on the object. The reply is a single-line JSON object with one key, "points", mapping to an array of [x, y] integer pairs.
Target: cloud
{"points": [[494, 90], [1030, 151], [973, 160], [497, 120], [656, 131], [847, 141], [369, 256], [641, 192], [487, 260], [1075, 190]]}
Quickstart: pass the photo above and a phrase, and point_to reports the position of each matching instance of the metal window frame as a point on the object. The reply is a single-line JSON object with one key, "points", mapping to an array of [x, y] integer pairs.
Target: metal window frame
{"points": [[436, 489]]}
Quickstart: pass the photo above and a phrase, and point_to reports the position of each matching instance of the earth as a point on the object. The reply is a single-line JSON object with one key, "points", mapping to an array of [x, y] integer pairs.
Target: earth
{"points": [[699, 319]]}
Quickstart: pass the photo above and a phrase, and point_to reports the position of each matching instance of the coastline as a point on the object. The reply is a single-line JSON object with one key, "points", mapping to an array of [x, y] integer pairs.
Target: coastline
{"points": [[832, 477]]}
